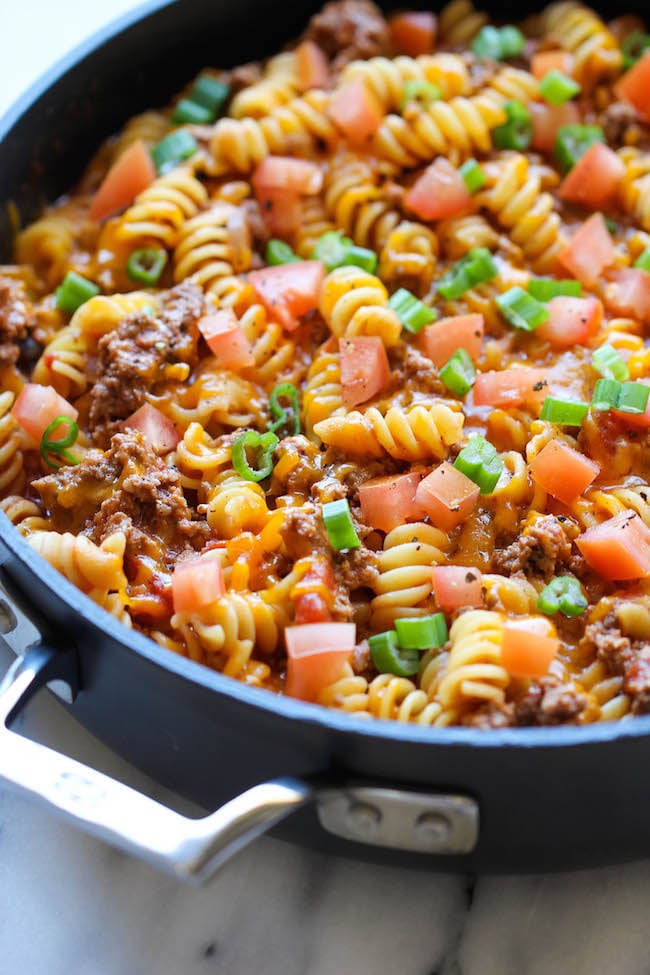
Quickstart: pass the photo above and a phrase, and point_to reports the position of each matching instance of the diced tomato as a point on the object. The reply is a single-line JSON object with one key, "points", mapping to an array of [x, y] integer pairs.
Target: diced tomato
{"points": [[129, 175], [38, 406], [155, 427], [387, 502], [281, 211], [440, 192], [413, 33], [225, 338], [316, 653], [364, 368], [634, 87], [457, 587], [590, 251], [594, 180], [356, 112], [562, 471], [511, 387], [314, 594], [313, 67], [545, 61], [197, 583], [547, 119], [287, 174], [572, 321], [629, 294], [440, 340], [448, 496], [619, 548], [289, 291], [529, 646]]}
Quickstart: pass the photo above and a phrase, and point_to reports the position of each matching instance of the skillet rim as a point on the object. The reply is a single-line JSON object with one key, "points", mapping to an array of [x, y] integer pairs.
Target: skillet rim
{"points": [[278, 705]]}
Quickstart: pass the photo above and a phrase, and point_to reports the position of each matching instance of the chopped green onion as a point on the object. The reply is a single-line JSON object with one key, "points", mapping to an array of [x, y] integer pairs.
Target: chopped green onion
{"points": [[420, 91], [146, 265], [498, 43], [480, 462], [633, 398], [458, 374], [475, 178], [477, 267], [423, 633], [210, 93], [544, 289], [633, 47], [335, 250], [173, 149], [264, 444], [607, 393], [564, 412], [521, 309], [188, 112], [389, 658], [607, 361], [557, 88], [562, 595], [74, 291], [643, 261], [412, 313], [339, 525], [572, 141], [278, 252], [59, 445], [517, 131], [280, 413]]}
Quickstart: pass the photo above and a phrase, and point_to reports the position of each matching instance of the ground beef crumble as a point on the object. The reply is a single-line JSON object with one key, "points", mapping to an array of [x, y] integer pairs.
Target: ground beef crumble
{"points": [[348, 30], [543, 549], [131, 359], [16, 318], [550, 701]]}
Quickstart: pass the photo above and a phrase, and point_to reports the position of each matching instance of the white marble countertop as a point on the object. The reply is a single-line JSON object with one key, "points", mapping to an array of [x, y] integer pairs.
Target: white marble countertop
{"points": [[69, 905]]}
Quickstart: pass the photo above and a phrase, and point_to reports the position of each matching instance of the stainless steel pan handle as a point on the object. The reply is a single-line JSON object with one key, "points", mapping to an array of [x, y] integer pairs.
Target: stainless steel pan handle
{"points": [[191, 849]]}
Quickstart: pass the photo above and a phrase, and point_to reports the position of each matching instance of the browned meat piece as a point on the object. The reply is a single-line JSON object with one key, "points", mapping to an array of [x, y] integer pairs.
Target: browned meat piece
{"points": [[637, 682], [415, 373], [244, 75], [131, 360], [303, 532], [128, 488], [605, 640], [622, 126], [542, 548], [549, 701], [361, 660], [348, 30], [491, 716], [16, 317], [357, 569]]}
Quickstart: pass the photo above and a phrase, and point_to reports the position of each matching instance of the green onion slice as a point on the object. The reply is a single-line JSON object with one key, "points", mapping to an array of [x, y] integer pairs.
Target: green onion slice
{"points": [[643, 260], [74, 291], [521, 309], [480, 462], [422, 92], [58, 446], [188, 112], [389, 658], [278, 252], [608, 363], [562, 595], [634, 47], [339, 525], [517, 131], [459, 373], [557, 88], [173, 149], [335, 250], [572, 141], [607, 393], [210, 93], [498, 43], [263, 444], [412, 313], [280, 413], [544, 289], [146, 265], [564, 412], [477, 267], [633, 398], [423, 633], [475, 178]]}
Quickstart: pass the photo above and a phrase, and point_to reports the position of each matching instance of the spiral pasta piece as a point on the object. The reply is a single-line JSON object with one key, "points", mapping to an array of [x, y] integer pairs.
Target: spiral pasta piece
{"points": [[581, 31], [235, 505], [405, 581], [474, 674], [25, 515], [348, 693], [275, 354], [204, 251], [408, 258], [354, 302], [148, 127], [355, 202], [314, 223], [11, 457], [635, 185], [460, 22], [277, 86], [606, 690], [386, 77], [95, 569], [322, 396], [160, 211]]}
